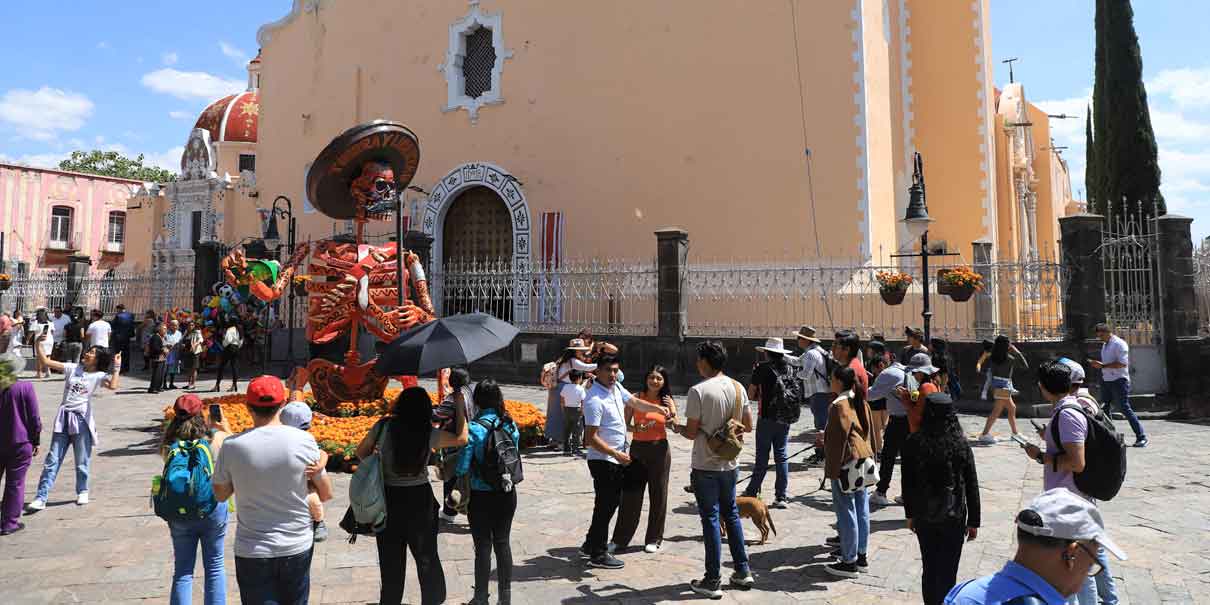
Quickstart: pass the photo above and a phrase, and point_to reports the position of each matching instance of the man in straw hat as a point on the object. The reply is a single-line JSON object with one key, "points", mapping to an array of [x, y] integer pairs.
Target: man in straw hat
{"points": [[813, 371], [1058, 536], [772, 428]]}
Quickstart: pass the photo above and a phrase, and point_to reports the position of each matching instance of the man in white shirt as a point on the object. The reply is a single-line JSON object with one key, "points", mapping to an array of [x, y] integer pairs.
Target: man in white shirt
{"points": [[97, 334], [605, 436], [58, 330], [813, 371], [1115, 378]]}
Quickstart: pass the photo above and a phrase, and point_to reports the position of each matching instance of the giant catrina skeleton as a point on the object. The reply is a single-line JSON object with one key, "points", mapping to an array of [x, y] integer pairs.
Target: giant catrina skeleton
{"points": [[355, 286]]}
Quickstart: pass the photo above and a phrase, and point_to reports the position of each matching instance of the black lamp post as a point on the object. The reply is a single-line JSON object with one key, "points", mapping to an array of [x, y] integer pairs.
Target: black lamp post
{"points": [[272, 235], [917, 220]]}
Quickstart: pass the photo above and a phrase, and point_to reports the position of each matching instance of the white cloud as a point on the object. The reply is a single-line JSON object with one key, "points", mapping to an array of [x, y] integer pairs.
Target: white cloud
{"points": [[169, 58], [235, 54], [168, 160], [1175, 126], [1186, 87], [42, 114], [34, 160], [1069, 131], [190, 84], [180, 115]]}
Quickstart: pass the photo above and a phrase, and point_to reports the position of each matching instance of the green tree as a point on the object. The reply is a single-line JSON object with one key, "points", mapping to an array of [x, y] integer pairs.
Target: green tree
{"points": [[1128, 166], [1096, 155], [112, 163]]}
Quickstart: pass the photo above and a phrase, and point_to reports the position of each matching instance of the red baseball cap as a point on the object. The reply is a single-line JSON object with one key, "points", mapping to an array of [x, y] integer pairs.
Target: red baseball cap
{"points": [[266, 392], [188, 405]]}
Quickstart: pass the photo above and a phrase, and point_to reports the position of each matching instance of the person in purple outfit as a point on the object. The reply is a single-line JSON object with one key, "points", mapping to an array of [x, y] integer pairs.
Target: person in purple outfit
{"points": [[20, 430]]}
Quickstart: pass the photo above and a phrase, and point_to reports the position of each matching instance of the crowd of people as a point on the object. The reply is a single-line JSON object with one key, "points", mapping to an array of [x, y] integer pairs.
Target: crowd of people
{"points": [[872, 410]]}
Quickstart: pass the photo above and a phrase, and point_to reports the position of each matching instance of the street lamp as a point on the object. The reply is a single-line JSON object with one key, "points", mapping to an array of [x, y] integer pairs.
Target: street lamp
{"points": [[273, 239], [916, 220]]}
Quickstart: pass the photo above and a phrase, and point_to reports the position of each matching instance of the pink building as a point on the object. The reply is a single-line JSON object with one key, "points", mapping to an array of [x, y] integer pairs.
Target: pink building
{"points": [[48, 215]]}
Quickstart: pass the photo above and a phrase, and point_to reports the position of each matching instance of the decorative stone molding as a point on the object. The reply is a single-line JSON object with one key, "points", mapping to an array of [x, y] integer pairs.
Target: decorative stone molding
{"points": [[265, 33], [452, 68], [504, 185]]}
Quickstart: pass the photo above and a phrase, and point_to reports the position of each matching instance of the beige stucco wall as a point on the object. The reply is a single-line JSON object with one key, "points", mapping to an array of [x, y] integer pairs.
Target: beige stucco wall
{"points": [[627, 116], [144, 220]]}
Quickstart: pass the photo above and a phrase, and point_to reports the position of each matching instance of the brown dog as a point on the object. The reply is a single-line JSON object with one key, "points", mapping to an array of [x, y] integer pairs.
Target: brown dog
{"points": [[755, 509]]}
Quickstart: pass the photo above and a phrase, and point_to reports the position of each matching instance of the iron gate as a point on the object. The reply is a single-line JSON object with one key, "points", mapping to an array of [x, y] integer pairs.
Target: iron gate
{"points": [[1133, 299]]}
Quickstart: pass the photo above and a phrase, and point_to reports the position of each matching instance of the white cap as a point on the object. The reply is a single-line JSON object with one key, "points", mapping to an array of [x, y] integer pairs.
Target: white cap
{"points": [[296, 414], [1077, 370], [1069, 517]]}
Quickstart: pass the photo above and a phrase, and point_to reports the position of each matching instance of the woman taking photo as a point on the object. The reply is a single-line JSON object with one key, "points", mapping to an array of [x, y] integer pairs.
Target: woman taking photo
{"points": [[404, 441], [41, 324], [187, 425], [846, 441], [940, 495], [650, 461], [74, 424], [1003, 358], [491, 507]]}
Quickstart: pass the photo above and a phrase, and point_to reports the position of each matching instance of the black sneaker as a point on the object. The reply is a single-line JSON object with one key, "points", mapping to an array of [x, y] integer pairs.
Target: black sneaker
{"points": [[841, 569], [606, 561], [1140, 442], [585, 554], [833, 540], [711, 588], [863, 564]]}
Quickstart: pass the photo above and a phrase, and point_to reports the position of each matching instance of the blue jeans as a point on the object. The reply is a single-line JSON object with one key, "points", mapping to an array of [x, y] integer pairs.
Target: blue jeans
{"points": [[819, 409], [715, 493], [770, 432], [852, 521], [276, 581], [185, 538], [1099, 588], [81, 447], [1119, 391]]}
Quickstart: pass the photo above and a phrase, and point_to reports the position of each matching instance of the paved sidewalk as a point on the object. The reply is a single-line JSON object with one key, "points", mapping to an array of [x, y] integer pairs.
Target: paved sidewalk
{"points": [[115, 550]]}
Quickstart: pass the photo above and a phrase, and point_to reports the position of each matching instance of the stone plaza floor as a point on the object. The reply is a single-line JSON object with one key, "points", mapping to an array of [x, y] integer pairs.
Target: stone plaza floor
{"points": [[115, 550]]}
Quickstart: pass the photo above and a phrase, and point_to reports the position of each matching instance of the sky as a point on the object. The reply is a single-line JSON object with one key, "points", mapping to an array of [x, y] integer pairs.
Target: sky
{"points": [[133, 76]]}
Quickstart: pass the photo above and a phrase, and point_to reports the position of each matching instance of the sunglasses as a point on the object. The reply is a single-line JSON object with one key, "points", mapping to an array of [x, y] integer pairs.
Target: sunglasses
{"points": [[1096, 563]]}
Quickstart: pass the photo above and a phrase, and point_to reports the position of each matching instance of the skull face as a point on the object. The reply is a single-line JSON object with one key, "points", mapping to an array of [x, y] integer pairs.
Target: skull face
{"points": [[374, 188]]}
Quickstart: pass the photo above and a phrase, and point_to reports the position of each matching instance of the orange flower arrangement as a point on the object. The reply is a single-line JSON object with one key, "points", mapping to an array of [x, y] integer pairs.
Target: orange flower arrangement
{"points": [[963, 277], [893, 280]]}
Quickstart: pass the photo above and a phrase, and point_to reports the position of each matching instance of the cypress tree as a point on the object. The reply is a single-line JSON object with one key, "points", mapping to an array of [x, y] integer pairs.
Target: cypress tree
{"points": [[1091, 174], [1129, 168], [1095, 185]]}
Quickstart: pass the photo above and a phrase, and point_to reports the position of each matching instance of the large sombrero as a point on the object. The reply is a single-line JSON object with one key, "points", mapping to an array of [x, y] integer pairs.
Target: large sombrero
{"points": [[340, 162]]}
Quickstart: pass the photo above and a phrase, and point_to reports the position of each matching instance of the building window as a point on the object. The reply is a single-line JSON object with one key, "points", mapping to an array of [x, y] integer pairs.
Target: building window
{"points": [[247, 162], [478, 62], [117, 230], [474, 62], [60, 226]]}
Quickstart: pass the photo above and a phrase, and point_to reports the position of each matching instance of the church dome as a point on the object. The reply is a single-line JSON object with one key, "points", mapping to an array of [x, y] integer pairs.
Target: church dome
{"points": [[233, 118]]}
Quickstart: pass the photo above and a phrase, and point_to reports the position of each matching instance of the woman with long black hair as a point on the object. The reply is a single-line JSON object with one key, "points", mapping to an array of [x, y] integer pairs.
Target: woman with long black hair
{"points": [[1004, 357], [940, 495], [650, 462], [404, 441], [492, 507]]}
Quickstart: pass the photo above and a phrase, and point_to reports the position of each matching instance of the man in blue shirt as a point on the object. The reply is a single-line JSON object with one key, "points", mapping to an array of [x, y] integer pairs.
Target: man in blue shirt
{"points": [[608, 454], [1057, 539]]}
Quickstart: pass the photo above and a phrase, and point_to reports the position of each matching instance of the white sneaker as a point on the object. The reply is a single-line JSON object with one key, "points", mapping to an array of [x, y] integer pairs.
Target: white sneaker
{"points": [[988, 439], [82, 499], [35, 506], [652, 548], [880, 499]]}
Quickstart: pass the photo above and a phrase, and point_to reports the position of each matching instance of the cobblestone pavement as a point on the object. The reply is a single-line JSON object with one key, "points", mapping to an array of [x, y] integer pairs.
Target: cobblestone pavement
{"points": [[116, 550]]}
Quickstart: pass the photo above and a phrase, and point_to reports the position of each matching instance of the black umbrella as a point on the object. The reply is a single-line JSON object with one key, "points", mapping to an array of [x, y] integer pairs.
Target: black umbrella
{"points": [[443, 343]]}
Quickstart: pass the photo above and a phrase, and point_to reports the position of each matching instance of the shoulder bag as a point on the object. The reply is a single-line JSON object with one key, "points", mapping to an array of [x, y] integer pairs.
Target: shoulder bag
{"points": [[728, 440], [858, 473]]}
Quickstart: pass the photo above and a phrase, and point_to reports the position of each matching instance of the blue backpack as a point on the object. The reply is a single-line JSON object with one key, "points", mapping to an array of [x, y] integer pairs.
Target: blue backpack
{"points": [[186, 493]]}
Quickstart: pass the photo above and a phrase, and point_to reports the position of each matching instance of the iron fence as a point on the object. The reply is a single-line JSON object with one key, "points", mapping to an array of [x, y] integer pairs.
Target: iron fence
{"points": [[1130, 253], [1020, 299], [1201, 286], [616, 297], [138, 291]]}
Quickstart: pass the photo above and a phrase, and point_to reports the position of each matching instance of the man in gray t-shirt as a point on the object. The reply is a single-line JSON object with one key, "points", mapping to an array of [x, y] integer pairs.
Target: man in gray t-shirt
{"points": [[267, 468]]}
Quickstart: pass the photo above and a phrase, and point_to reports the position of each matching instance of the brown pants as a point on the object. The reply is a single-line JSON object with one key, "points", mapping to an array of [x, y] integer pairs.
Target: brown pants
{"points": [[649, 466]]}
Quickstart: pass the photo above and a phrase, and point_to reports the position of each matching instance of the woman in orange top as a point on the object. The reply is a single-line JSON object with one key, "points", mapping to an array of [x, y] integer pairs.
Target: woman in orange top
{"points": [[650, 461]]}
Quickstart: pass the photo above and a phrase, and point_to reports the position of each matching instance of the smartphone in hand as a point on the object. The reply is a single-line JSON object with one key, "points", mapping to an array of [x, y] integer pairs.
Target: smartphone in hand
{"points": [[216, 413], [1037, 427], [1021, 441]]}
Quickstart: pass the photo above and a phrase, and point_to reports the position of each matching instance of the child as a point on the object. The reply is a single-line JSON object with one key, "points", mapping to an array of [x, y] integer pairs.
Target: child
{"points": [[298, 415], [453, 501], [572, 395]]}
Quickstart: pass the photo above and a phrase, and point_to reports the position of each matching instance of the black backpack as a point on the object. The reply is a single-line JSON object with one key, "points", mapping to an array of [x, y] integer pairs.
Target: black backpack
{"points": [[1104, 454], [784, 404], [501, 466]]}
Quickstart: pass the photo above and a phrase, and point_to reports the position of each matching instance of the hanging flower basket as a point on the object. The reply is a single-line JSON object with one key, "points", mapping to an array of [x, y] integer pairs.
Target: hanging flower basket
{"points": [[893, 296], [6, 282], [959, 283]]}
